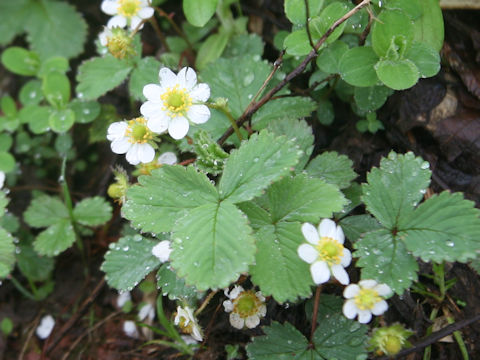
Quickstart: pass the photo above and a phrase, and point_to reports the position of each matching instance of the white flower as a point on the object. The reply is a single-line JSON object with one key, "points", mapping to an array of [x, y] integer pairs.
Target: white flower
{"points": [[365, 299], [167, 158], [162, 250], [245, 307], [147, 311], [45, 328], [132, 138], [124, 12], [123, 298], [130, 329], [176, 102], [2, 179], [325, 252], [187, 322]]}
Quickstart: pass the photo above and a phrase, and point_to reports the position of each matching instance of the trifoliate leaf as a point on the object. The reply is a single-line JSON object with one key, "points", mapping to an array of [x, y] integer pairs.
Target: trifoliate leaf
{"points": [[257, 163], [303, 199], [446, 227], [278, 270], [357, 66], [145, 72], [128, 261], [7, 253], [110, 70], [163, 197], [92, 211], [173, 286], [280, 342], [55, 239], [332, 168], [33, 266], [408, 175], [385, 259], [198, 12], [45, 211], [212, 245], [55, 28]]}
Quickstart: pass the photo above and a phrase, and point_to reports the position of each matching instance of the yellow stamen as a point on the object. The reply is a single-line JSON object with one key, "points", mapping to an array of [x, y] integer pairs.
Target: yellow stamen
{"points": [[176, 101], [138, 132], [246, 304], [366, 299], [128, 8], [330, 250]]}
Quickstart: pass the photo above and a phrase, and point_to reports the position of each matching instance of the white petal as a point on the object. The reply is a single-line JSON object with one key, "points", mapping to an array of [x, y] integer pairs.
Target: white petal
{"points": [[189, 340], [123, 298], [237, 290], [168, 158], [130, 329], [340, 236], [383, 290], [228, 306], [327, 228], [350, 291], [307, 253], [310, 233], [146, 311], [103, 38], [367, 284], [252, 321], [379, 308], [153, 92], [146, 153], [120, 146], [346, 258], [45, 328], [162, 250], [117, 130], [262, 311], [196, 333], [167, 77], [109, 7], [340, 274], [200, 93], [320, 272], [187, 78], [132, 155], [146, 12], [158, 125], [178, 128], [117, 21], [364, 316], [198, 114], [134, 22], [236, 321], [2, 179], [349, 309], [151, 109], [260, 296]]}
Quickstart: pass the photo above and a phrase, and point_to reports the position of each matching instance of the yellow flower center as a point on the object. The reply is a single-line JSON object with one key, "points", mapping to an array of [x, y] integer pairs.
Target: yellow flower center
{"points": [[137, 131], [366, 299], [330, 250], [176, 101], [119, 44], [128, 8], [246, 304], [185, 325]]}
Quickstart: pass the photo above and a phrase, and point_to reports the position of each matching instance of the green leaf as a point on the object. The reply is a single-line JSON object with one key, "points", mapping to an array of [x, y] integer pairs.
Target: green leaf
{"points": [[212, 48], [31, 93], [33, 266], [7, 162], [319, 25], [163, 197], [391, 28], [244, 44], [446, 227], [128, 262], [371, 98], [20, 61], [258, 162], [357, 66], [5, 141], [110, 70], [173, 286], [340, 338], [296, 10], [332, 168], [53, 64], [55, 239], [61, 120], [303, 199], [385, 259], [7, 253], [3, 203], [429, 28], [55, 28], [37, 118], [397, 74], [328, 58], [280, 342], [297, 43], [408, 175], [412, 8], [13, 16], [85, 111], [98, 129], [356, 226], [278, 270], [212, 245], [56, 89], [198, 12], [425, 58], [145, 72], [8, 106], [92, 211], [45, 211]]}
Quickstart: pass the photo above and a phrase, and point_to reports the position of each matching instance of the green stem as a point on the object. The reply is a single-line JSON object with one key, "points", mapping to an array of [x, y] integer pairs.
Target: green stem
{"points": [[22, 289], [458, 337], [428, 350]]}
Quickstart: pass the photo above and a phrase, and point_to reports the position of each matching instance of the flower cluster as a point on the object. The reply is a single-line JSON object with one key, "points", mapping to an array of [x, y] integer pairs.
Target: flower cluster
{"points": [[327, 256], [246, 307]]}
